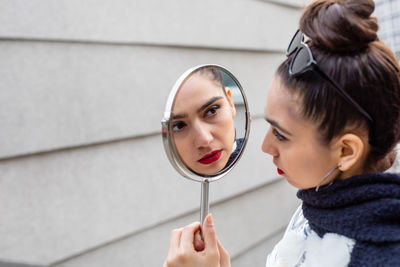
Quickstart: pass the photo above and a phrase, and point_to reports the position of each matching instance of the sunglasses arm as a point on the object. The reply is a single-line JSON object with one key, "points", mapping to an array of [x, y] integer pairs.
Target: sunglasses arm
{"points": [[342, 92]]}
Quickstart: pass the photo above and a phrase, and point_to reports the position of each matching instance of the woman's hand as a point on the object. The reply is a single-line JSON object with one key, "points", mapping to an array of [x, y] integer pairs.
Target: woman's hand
{"points": [[182, 251]]}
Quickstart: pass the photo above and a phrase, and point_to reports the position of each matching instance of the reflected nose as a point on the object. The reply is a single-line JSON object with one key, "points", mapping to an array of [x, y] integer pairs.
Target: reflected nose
{"points": [[203, 135], [268, 144]]}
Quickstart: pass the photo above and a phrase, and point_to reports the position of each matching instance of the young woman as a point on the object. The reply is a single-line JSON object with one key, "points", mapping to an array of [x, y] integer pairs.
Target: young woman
{"points": [[334, 111], [203, 121]]}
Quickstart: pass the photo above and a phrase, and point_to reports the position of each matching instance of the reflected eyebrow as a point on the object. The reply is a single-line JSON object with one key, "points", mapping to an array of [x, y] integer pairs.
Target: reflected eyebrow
{"points": [[275, 124], [209, 102], [179, 116]]}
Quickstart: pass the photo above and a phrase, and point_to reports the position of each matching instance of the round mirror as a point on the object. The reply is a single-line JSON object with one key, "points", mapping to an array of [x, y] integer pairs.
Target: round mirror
{"points": [[206, 123]]}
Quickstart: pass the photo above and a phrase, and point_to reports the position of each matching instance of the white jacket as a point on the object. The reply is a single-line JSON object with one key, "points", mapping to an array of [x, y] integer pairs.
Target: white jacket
{"points": [[302, 247]]}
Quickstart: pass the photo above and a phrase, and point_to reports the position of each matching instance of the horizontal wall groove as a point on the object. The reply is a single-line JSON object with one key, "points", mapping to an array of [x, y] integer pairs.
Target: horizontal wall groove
{"points": [[78, 146], [18, 264], [149, 227], [141, 44], [282, 3], [88, 145], [258, 243]]}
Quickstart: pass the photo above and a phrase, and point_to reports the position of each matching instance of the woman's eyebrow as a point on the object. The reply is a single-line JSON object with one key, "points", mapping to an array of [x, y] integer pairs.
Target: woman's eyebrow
{"points": [[209, 102], [275, 124], [179, 116]]}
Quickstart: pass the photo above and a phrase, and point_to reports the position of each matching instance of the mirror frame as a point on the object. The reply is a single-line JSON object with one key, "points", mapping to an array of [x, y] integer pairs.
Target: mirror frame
{"points": [[168, 141]]}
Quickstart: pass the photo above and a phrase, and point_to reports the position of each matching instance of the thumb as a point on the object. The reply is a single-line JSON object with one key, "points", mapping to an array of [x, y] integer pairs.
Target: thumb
{"points": [[210, 239]]}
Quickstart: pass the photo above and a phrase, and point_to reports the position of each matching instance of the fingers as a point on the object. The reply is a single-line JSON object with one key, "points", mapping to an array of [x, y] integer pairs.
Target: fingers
{"points": [[198, 242], [174, 241], [188, 249], [224, 258], [210, 239], [187, 238]]}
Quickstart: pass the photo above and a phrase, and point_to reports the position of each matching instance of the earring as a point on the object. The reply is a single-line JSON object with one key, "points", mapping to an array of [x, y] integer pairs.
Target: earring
{"points": [[326, 177], [235, 135]]}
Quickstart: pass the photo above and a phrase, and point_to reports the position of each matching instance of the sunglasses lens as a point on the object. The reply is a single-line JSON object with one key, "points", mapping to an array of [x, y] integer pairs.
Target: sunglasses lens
{"points": [[294, 44], [300, 61]]}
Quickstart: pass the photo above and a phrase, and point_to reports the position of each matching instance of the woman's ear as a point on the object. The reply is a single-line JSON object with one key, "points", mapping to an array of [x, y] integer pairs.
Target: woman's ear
{"points": [[350, 151], [230, 100]]}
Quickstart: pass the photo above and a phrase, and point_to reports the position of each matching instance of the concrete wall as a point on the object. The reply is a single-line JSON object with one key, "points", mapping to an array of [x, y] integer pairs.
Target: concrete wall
{"points": [[84, 180]]}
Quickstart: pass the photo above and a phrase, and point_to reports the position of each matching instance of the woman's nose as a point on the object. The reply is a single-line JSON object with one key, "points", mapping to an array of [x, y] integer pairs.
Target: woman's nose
{"points": [[203, 135], [268, 145]]}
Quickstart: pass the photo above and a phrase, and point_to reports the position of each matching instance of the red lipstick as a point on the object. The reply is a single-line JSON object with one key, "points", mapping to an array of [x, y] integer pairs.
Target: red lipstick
{"points": [[281, 172], [211, 157]]}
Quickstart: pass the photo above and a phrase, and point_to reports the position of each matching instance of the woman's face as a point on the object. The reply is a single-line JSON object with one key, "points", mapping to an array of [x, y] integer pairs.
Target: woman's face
{"points": [[293, 142], [202, 124]]}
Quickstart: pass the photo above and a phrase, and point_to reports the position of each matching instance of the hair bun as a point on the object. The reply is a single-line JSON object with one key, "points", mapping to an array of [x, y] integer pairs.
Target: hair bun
{"points": [[340, 25]]}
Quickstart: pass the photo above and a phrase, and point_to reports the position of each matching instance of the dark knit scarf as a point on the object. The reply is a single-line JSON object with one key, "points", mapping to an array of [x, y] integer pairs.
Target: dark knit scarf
{"points": [[235, 153], [365, 208]]}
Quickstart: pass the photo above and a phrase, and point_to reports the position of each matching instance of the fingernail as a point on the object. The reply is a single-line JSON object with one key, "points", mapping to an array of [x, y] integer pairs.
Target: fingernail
{"points": [[209, 220]]}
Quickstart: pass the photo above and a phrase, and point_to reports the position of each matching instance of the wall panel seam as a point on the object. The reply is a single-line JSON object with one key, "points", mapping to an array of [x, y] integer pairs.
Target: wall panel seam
{"points": [[282, 3], [149, 227], [19, 264], [89, 144], [77, 146], [258, 243], [141, 44]]}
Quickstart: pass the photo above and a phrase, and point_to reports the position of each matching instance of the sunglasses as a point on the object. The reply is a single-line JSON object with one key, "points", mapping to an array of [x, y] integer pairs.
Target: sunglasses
{"points": [[303, 61]]}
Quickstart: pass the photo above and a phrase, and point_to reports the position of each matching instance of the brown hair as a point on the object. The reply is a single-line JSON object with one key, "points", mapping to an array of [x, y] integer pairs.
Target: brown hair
{"points": [[343, 39], [214, 73]]}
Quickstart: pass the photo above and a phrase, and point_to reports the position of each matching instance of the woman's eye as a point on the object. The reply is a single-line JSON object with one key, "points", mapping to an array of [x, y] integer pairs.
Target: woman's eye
{"points": [[211, 111], [278, 135], [178, 126]]}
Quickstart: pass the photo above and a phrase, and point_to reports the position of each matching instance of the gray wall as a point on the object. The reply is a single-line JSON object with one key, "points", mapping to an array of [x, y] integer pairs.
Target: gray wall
{"points": [[84, 180]]}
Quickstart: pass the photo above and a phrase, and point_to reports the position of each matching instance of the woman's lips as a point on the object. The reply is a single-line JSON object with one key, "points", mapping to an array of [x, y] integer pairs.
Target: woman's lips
{"points": [[211, 157], [280, 172]]}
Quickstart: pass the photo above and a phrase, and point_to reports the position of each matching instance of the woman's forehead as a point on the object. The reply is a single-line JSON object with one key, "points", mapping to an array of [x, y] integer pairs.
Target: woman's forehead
{"points": [[282, 106], [278, 98], [195, 92]]}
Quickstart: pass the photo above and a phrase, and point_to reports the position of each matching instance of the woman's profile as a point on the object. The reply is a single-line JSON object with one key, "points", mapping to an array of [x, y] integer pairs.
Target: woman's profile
{"points": [[334, 112]]}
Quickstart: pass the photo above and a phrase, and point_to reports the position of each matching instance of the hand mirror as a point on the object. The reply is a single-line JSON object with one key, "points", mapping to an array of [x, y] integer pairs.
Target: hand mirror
{"points": [[205, 126]]}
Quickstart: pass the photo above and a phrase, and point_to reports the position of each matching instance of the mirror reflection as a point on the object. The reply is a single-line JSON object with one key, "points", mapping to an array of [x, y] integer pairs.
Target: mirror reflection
{"points": [[208, 120]]}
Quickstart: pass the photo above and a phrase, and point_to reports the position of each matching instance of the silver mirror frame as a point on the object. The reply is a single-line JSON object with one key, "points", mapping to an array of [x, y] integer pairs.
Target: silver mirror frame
{"points": [[168, 141]]}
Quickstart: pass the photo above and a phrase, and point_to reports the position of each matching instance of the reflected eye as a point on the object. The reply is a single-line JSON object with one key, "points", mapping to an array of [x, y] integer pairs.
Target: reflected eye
{"points": [[178, 126], [211, 111], [278, 135]]}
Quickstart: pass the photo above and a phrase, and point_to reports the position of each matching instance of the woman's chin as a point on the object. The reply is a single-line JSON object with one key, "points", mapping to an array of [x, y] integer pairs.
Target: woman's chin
{"points": [[208, 170], [297, 185], [292, 182]]}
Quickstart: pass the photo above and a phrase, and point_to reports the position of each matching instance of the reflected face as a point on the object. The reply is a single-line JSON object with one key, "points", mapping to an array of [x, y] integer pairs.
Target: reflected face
{"points": [[202, 123], [293, 141]]}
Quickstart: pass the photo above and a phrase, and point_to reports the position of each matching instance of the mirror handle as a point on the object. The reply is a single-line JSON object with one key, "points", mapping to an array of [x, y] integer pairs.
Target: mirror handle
{"points": [[204, 204]]}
